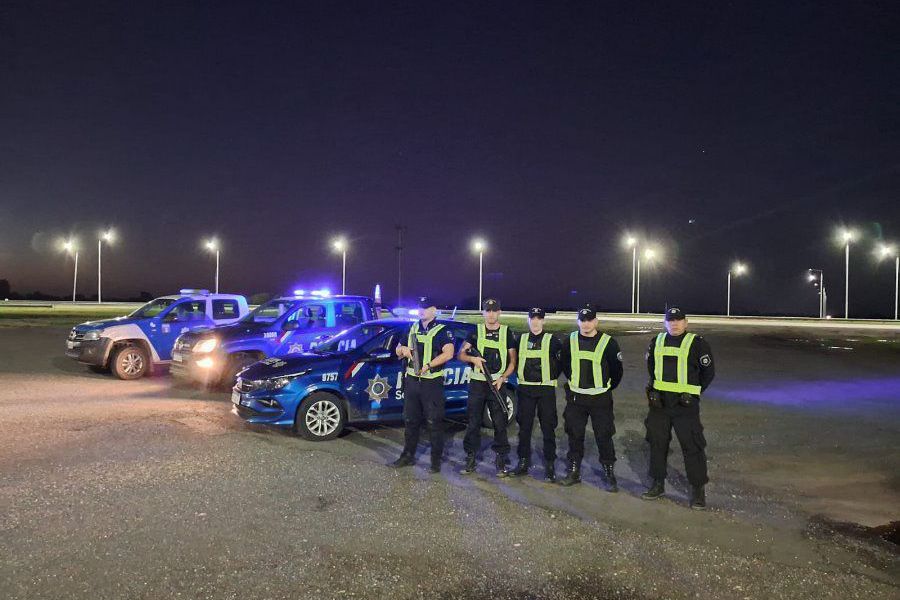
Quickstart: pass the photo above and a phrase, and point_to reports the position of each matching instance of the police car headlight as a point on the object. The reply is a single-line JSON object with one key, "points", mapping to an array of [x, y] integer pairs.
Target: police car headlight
{"points": [[207, 345], [91, 336], [278, 383]]}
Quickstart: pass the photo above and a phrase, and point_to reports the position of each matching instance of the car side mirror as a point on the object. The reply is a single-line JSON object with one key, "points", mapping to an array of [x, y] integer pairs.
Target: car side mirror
{"points": [[380, 355], [290, 326]]}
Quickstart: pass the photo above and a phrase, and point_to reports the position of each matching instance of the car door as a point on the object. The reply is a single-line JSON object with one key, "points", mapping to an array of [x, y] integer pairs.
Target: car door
{"points": [[181, 317], [457, 373], [375, 379], [301, 329]]}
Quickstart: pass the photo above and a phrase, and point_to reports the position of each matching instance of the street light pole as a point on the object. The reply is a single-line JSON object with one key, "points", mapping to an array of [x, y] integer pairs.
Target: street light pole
{"points": [[99, 271], [213, 246], [478, 245], [637, 293], [75, 279], [340, 245], [728, 309], [847, 281], [633, 279]]}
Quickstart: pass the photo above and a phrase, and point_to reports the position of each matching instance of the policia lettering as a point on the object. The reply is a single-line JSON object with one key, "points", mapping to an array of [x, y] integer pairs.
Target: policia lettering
{"points": [[680, 367], [591, 361], [537, 373], [423, 391]]}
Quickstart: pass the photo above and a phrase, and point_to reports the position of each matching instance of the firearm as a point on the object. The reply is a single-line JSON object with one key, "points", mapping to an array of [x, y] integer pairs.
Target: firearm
{"points": [[416, 359], [473, 351]]}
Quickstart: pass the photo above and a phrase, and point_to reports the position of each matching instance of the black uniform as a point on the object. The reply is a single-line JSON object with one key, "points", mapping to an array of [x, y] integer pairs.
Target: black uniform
{"points": [[680, 413], [599, 408], [540, 399], [480, 395], [423, 399]]}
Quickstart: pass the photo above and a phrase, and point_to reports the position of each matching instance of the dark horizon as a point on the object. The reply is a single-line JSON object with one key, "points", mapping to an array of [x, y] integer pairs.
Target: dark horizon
{"points": [[724, 133]]}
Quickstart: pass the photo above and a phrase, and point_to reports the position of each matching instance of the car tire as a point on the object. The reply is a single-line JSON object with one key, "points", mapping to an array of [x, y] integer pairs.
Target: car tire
{"points": [[320, 417], [512, 405], [130, 362], [236, 363]]}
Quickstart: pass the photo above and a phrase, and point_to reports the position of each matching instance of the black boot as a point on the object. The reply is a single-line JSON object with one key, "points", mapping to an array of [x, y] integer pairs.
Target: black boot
{"points": [[435, 464], [610, 476], [521, 468], [470, 464], [657, 490], [573, 474], [698, 498], [405, 460], [550, 471], [503, 466]]}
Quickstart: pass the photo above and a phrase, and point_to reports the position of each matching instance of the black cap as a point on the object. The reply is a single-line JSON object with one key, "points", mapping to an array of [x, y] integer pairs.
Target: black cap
{"points": [[490, 305], [675, 314], [587, 314], [423, 302], [536, 313]]}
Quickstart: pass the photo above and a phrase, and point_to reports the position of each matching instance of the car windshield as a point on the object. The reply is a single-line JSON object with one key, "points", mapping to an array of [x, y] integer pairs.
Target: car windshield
{"points": [[351, 338], [269, 312], [153, 308]]}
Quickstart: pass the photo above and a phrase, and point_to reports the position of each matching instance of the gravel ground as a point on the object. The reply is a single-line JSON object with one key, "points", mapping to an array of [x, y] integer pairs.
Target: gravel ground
{"points": [[113, 489]]}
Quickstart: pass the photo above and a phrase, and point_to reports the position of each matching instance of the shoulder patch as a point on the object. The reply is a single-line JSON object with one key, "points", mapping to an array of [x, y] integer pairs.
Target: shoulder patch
{"points": [[619, 356], [705, 360]]}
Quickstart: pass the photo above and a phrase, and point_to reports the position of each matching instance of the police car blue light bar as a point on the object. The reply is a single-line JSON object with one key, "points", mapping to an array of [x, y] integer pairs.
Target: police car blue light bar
{"points": [[192, 292]]}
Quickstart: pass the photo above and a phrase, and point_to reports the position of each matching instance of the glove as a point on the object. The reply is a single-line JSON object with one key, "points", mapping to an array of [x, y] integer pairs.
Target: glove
{"points": [[686, 399], [654, 398]]}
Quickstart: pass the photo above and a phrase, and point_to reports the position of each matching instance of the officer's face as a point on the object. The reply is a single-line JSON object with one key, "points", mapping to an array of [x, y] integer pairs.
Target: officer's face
{"points": [[536, 325], [428, 313], [587, 327], [491, 317], [676, 327]]}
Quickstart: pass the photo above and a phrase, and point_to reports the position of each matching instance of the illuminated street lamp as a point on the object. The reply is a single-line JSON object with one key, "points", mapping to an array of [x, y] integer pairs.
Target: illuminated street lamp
{"points": [[479, 246], [846, 236], [71, 247], [737, 269], [631, 242], [107, 236], [886, 252], [213, 246], [340, 245], [817, 276], [648, 256]]}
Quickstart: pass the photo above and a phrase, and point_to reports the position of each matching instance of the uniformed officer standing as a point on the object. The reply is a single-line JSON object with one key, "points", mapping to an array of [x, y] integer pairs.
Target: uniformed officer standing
{"points": [[680, 365], [496, 347], [593, 364], [537, 371], [423, 391]]}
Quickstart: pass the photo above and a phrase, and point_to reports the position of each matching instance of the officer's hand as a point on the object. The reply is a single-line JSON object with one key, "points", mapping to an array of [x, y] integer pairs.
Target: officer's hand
{"points": [[686, 399], [426, 368], [498, 383], [478, 362], [403, 352]]}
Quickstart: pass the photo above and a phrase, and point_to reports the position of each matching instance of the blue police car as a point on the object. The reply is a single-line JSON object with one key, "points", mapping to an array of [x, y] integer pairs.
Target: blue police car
{"points": [[354, 376], [285, 325], [129, 346]]}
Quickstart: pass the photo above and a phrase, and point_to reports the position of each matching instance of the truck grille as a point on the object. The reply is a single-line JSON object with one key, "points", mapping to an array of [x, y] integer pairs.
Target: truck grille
{"points": [[76, 336]]}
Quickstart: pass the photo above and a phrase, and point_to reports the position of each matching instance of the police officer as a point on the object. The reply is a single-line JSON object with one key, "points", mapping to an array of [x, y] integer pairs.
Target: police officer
{"points": [[680, 365], [431, 345], [496, 347], [593, 364], [537, 372]]}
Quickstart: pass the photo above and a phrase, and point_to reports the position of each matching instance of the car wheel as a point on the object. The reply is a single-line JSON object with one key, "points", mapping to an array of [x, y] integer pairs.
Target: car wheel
{"points": [[512, 405], [236, 364], [320, 417], [130, 362]]}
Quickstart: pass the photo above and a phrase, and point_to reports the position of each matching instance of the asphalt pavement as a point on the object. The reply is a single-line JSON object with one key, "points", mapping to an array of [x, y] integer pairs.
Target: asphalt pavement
{"points": [[144, 489]]}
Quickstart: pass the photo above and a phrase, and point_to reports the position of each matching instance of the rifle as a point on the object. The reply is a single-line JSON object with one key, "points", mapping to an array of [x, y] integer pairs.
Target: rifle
{"points": [[473, 351]]}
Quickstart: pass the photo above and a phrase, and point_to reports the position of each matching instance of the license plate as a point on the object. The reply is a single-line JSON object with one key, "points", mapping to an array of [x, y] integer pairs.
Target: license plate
{"points": [[236, 397], [70, 345], [176, 356]]}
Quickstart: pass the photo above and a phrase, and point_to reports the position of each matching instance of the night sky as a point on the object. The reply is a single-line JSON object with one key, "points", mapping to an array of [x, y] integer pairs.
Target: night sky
{"points": [[719, 130]]}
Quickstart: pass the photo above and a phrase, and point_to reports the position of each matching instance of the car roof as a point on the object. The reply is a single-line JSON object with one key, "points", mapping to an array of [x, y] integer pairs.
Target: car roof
{"points": [[237, 297], [321, 298]]}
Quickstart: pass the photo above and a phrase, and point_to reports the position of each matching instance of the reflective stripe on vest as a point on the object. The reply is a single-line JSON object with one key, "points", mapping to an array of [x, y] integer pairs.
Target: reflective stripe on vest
{"points": [[426, 339], [482, 342], [543, 354], [596, 358], [681, 352]]}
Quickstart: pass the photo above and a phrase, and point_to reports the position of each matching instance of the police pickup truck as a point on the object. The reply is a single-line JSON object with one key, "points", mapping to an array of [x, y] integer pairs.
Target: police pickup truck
{"points": [[354, 376], [285, 325], [129, 346]]}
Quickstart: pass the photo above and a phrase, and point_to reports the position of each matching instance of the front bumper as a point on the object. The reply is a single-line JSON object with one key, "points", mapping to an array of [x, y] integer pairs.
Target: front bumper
{"points": [[89, 352], [205, 369], [264, 407]]}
